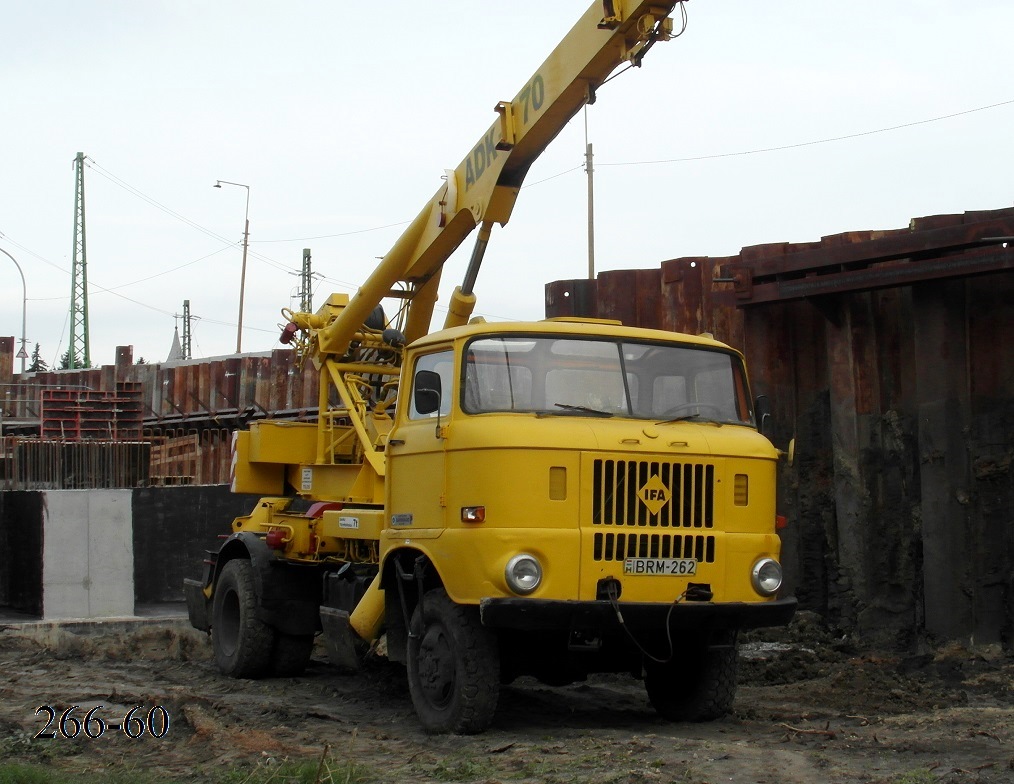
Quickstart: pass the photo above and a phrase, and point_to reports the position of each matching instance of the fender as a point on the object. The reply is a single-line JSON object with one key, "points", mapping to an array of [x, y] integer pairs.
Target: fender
{"points": [[402, 595], [288, 594]]}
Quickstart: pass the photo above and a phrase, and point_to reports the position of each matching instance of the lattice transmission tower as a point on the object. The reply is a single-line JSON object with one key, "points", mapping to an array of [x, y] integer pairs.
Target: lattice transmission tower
{"points": [[78, 354], [186, 329], [306, 285]]}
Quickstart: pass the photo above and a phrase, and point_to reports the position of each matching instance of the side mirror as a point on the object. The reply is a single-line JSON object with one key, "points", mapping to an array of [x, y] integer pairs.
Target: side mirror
{"points": [[427, 393], [762, 410]]}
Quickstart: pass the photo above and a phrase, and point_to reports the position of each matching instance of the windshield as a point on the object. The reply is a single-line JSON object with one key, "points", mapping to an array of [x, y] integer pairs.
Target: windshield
{"points": [[588, 377]]}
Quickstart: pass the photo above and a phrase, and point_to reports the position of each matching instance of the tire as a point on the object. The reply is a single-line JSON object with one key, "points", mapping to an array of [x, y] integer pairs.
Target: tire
{"points": [[243, 643], [291, 654], [697, 685], [453, 666]]}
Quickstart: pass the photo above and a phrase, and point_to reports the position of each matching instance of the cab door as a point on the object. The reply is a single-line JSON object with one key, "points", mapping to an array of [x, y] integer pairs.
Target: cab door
{"points": [[416, 457]]}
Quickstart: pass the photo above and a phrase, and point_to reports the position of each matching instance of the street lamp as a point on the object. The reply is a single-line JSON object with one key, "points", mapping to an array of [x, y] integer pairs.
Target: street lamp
{"points": [[23, 354], [246, 243]]}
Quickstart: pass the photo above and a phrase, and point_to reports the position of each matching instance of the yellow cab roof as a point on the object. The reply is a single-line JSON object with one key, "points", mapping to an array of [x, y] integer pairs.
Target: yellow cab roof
{"points": [[572, 327]]}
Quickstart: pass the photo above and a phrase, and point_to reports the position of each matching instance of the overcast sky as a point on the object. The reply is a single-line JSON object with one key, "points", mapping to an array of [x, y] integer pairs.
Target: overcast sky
{"points": [[341, 117]]}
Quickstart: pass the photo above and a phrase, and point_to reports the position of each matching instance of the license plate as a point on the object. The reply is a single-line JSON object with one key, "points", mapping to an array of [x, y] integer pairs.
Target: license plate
{"points": [[668, 566]]}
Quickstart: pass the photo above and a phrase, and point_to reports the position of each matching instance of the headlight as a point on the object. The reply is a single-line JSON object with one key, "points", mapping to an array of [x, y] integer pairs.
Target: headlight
{"points": [[767, 576], [523, 574]]}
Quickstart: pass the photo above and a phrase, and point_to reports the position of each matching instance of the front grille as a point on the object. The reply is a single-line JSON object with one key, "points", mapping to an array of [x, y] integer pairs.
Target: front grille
{"points": [[619, 546], [625, 492]]}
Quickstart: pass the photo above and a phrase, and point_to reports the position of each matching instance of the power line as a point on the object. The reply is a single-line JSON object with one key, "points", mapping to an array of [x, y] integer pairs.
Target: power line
{"points": [[813, 142], [92, 284], [119, 182], [342, 234], [292, 270]]}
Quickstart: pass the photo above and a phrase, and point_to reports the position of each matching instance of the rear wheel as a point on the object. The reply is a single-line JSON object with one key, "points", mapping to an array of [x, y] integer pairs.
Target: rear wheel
{"points": [[291, 654], [243, 643], [695, 685], [453, 666]]}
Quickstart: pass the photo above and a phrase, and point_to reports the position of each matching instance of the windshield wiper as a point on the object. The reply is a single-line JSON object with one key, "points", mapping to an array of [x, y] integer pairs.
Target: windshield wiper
{"points": [[701, 418], [583, 410], [683, 418]]}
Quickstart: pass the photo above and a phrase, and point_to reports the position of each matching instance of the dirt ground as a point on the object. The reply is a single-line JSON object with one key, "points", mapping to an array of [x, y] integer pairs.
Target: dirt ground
{"points": [[810, 708]]}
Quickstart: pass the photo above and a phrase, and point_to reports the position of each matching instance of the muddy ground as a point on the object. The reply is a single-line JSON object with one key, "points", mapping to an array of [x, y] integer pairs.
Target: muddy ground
{"points": [[811, 708]]}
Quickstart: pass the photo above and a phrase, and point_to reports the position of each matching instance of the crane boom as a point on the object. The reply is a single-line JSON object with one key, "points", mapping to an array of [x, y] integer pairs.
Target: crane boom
{"points": [[484, 186]]}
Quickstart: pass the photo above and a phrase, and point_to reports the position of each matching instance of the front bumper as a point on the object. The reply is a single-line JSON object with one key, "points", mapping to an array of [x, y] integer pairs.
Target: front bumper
{"points": [[545, 614]]}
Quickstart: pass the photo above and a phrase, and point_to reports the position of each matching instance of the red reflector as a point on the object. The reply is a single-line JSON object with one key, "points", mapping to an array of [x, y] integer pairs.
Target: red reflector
{"points": [[473, 514], [318, 509], [781, 521], [275, 538]]}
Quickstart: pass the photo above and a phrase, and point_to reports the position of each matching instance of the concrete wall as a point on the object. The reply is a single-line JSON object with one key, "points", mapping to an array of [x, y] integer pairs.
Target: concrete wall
{"points": [[98, 553]]}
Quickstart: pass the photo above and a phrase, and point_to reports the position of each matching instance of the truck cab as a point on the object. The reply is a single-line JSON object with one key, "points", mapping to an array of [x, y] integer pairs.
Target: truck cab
{"points": [[588, 493]]}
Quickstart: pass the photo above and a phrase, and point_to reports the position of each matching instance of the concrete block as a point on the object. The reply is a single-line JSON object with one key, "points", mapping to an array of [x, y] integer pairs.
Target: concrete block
{"points": [[88, 555], [110, 553], [65, 576]]}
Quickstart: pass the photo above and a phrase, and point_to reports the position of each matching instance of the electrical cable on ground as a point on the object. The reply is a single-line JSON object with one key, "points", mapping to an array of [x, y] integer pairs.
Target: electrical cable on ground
{"points": [[614, 603]]}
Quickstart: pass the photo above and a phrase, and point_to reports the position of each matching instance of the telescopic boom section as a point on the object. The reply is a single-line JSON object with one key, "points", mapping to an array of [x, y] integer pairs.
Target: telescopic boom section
{"points": [[484, 186]]}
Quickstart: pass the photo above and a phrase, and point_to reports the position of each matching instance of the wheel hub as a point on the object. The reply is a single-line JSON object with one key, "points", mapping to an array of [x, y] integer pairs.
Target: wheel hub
{"points": [[436, 667]]}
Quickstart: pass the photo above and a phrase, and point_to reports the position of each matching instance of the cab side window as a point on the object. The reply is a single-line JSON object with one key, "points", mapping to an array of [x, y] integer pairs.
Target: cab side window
{"points": [[441, 363]]}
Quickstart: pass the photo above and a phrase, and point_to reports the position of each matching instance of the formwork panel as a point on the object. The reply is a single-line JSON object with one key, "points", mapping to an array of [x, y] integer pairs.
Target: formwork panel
{"points": [[21, 524], [173, 529]]}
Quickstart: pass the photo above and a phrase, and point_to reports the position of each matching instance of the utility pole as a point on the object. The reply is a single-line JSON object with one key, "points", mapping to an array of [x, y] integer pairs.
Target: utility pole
{"points": [[23, 354], [78, 354], [306, 286], [246, 244], [186, 329]]}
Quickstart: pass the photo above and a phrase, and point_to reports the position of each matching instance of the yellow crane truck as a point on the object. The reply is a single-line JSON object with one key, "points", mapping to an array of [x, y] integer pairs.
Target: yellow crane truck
{"points": [[494, 500]]}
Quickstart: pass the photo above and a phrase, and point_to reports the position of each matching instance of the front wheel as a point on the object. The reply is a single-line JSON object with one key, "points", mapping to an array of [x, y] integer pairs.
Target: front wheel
{"points": [[695, 685], [242, 642], [453, 666]]}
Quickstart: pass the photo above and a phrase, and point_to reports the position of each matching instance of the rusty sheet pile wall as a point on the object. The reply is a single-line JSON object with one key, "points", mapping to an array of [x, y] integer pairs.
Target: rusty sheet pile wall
{"points": [[133, 425], [884, 354], [219, 392]]}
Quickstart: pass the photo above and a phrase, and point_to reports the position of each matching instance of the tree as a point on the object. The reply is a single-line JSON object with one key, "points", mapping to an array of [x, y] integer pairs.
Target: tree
{"points": [[38, 363], [65, 362]]}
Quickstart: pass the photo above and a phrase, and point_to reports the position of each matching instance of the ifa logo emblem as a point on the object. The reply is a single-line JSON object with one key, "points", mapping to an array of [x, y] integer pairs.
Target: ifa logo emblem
{"points": [[654, 495]]}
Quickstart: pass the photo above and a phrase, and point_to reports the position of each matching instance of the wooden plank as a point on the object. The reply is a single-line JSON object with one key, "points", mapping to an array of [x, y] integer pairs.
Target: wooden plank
{"points": [[943, 414], [895, 244], [851, 513], [884, 275]]}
